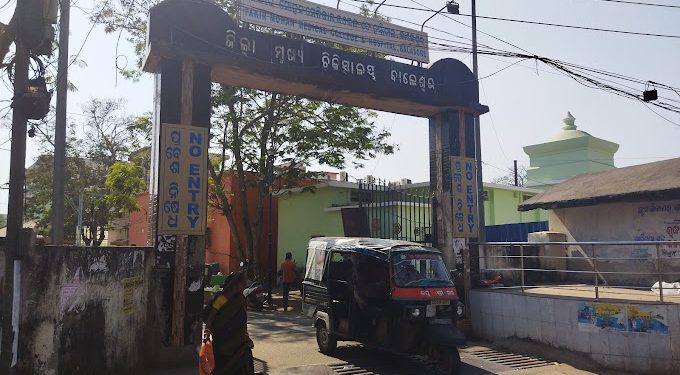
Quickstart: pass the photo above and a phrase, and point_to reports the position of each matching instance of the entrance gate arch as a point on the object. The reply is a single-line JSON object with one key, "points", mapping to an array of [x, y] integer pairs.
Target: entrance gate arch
{"points": [[192, 43]]}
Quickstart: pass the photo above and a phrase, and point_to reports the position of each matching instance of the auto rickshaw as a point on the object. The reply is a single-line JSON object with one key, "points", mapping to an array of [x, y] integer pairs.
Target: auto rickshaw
{"points": [[391, 294]]}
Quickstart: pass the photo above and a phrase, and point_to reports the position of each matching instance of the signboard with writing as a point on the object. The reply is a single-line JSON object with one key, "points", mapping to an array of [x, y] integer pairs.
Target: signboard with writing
{"points": [[183, 183], [248, 58], [464, 180], [326, 23]]}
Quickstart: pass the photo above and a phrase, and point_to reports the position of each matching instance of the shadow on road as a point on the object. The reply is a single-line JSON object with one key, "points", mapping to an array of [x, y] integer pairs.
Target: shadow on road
{"points": [[279, 326], [381, 361], [260, 366]]}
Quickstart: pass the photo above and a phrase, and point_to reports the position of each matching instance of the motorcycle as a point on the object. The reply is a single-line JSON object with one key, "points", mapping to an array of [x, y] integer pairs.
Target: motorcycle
{"points": [[253, 292]]}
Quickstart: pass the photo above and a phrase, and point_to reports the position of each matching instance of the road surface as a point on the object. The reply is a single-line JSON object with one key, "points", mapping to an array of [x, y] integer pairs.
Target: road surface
{"points": [[285, 344]]}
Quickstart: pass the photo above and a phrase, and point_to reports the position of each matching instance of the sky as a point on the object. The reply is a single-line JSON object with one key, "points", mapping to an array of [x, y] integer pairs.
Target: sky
{"points": [[527, 100]]}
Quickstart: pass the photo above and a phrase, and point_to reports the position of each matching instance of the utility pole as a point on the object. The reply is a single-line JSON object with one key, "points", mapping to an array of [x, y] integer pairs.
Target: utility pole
{"points": [[15, 208], [478, 143], [516, 177], [60, 126], [79, 228]]}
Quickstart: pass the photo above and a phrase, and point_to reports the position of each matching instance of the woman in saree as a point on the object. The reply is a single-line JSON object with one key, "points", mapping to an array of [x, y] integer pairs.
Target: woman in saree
{"points": [[227, 323]]}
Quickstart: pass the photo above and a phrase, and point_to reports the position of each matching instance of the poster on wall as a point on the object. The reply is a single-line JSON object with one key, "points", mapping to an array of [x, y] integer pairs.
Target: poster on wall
{"points": [[651, 319], [601, 316], [597, 317]]}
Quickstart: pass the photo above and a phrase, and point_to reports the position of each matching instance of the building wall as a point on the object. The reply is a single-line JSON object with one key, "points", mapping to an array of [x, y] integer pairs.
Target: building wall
{"points": [[221, 247], [621, 221], [550, 168], [118, 233], [625, 221], [318, 212], [302, 215], [85, 310], [138, 227], [555, 321], [219, 241], [501, 207]]}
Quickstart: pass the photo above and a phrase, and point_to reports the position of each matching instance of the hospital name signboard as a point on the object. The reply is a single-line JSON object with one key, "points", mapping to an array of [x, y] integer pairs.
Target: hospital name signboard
{"points": [[326, 23], [248, 58], [464, 189], [183, 186]]}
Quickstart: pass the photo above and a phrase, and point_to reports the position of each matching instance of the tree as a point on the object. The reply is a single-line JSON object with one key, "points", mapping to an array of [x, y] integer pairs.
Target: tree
{"points": [[509, 177], [252, 131], [94, 169]]}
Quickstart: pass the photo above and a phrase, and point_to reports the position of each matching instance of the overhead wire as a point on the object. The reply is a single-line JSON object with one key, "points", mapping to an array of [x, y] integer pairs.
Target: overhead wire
{"points": [[470, 27], [641, 3], [583, 75], [588, 28]]}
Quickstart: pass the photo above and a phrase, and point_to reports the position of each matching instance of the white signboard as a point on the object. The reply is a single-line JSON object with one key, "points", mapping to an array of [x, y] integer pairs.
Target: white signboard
{"points": [[326, 23], [183, 186]]}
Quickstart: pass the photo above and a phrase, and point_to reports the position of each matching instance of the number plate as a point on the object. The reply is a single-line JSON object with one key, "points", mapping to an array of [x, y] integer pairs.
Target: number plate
{"points": [[441, 302]]}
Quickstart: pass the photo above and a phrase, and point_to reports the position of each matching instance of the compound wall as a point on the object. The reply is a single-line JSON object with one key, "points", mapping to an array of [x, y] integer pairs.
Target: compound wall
{"points": [[621, 335], [84, 310]]}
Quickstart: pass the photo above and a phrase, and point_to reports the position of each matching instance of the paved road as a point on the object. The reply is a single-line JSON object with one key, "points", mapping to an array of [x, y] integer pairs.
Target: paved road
{"points": [[286, 340]]}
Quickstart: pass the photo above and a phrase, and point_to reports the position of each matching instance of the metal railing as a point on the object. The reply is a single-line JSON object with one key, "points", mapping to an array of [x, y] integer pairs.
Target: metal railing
{"points": [[584, 265]]}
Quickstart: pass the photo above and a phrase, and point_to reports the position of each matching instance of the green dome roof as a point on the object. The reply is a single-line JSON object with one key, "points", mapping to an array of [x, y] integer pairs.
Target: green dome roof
{"points": [[569, 130]]}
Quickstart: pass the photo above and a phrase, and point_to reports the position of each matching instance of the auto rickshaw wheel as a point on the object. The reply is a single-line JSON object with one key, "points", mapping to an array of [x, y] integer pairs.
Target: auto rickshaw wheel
{"points": [[447, 361], [327, 341]]}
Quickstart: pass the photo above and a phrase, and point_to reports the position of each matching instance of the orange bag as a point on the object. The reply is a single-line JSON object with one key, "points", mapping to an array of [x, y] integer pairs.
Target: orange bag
{"points": [[206, 358]]}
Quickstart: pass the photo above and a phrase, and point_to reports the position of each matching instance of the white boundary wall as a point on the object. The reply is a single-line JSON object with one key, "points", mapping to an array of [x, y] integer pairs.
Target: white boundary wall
{"points": [[554, 321]]}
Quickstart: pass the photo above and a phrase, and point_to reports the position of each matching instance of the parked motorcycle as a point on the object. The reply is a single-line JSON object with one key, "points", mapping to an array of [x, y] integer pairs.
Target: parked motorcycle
{"points": [[253, 292]]}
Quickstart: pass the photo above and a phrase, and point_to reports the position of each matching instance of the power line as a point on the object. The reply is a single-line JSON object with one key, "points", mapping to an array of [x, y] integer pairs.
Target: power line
{"points": [[639, 3], [588, 77], [73, 60], [663, 117], [427, 9], [574, 26], [470, 27]]}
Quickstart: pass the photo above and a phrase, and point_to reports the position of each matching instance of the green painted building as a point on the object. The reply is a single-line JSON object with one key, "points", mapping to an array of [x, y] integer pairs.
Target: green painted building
{"points": [[317, 211], [501, 201], [568, 153]]}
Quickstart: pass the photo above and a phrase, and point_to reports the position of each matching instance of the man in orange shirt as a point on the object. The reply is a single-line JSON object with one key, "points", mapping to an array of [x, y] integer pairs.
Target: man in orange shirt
{"points": [[288, 269]]}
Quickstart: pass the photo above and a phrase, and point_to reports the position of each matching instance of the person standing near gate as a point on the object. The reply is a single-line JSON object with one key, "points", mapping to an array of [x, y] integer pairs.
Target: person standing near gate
{"points": [[288, 269]]}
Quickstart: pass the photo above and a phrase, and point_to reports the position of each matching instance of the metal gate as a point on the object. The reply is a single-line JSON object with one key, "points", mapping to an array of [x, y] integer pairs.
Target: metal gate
{"points": [[395, 210]]}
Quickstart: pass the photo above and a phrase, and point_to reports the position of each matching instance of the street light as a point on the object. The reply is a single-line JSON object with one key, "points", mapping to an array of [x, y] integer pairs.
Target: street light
{"points": [[450, 6]]}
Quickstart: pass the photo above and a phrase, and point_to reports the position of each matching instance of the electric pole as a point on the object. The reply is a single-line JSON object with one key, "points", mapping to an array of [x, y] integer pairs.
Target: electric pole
{"points": [[15, 208], [478, 142], [60, 126]]}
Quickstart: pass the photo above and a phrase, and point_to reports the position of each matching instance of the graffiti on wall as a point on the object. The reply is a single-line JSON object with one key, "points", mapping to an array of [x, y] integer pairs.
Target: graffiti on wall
{"points": [[597, 317], [69, 289], [657, 221]]}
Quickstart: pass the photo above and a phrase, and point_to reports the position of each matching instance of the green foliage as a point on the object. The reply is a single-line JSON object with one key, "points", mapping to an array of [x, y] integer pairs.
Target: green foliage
{"points": [[123, 183], [254, 130], [94, 170]]}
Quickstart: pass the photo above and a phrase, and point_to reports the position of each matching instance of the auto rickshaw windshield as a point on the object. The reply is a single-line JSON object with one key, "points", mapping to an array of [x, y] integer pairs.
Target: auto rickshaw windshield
{"points": [[419, 270]]}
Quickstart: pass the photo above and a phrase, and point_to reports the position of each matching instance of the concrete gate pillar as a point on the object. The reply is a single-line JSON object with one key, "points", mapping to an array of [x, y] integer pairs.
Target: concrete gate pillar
{"points": [[451, 133], [181, 96]]}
